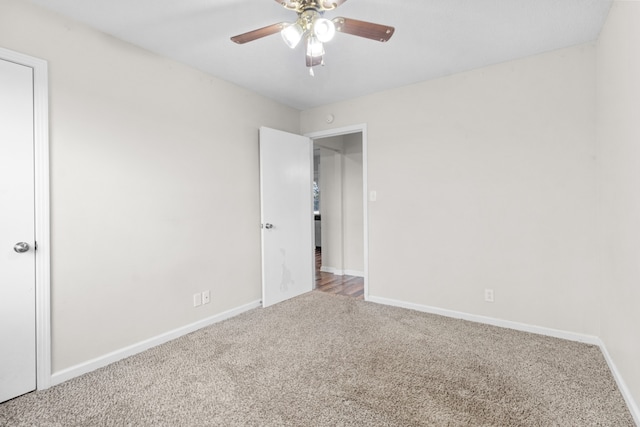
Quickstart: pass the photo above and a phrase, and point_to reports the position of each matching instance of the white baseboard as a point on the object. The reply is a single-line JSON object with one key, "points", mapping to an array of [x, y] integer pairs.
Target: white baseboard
{"points": [[333, 270], [622, 386], [571, 336], [339, 272], [107, 359], [354, 273]]}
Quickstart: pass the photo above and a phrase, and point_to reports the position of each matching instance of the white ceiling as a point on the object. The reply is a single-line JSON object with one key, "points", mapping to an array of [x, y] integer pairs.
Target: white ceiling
{"points": [[433, 38]]}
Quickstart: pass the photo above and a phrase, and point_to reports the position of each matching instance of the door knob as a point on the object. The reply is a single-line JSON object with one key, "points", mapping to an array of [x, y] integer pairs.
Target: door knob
{"points": [[268, 226], [21, 247]]}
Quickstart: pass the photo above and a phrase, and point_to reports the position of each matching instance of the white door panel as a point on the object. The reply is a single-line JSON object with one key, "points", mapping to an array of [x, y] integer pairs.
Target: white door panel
{"points": [[286, 214], [17, 270]]}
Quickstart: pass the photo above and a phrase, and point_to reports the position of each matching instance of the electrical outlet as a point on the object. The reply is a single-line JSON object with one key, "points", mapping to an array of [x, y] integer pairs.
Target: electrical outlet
{"points": [[197, 299], [488, 295], [206, 297]]}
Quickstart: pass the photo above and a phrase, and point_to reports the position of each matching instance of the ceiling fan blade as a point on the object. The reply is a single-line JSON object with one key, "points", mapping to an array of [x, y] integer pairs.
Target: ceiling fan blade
{"points": [[381, 33], [259, 33]]}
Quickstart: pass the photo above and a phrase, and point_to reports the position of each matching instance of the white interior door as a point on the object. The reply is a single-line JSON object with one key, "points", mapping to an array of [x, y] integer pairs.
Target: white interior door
{"points": [[286, 195], [17, 255]]}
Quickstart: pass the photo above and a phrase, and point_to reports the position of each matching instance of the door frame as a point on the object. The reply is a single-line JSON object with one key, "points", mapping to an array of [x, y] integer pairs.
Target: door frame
{"points": [[42, 213], [358, 128]]}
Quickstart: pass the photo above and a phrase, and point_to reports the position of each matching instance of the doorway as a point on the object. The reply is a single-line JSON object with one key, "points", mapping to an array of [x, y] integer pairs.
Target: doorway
{"points": [[296, 220], [340, 212]]}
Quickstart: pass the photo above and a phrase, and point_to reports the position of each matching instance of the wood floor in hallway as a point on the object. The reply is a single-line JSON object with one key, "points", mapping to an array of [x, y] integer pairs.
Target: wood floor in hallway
{"points": [[351, 286]]}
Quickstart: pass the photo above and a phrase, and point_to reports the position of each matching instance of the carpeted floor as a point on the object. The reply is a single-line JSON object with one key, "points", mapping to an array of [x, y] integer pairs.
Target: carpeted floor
{"points": [[324, 360]]}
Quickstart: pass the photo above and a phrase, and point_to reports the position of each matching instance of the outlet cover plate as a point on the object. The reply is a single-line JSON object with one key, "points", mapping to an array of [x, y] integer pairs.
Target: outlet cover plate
{"points": [[488, 295]]}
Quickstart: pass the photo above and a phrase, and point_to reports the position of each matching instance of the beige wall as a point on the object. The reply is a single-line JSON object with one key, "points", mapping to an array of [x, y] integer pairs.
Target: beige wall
{"points": [[485, 179], [619, 155], [154, 186], [353, 239], [331, 209]]}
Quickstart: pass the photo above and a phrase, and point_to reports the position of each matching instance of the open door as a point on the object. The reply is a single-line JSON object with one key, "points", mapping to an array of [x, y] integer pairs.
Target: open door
{"points": [[17, 232], [286, 204]]}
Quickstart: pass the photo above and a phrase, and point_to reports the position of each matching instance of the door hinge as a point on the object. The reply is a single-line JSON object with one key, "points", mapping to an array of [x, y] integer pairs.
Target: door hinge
{"points": [[35, 246]]}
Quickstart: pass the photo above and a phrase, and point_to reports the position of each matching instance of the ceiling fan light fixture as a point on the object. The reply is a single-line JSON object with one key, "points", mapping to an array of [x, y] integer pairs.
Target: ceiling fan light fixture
{"points": [[324, 29], [292, 35], [314, 47]]}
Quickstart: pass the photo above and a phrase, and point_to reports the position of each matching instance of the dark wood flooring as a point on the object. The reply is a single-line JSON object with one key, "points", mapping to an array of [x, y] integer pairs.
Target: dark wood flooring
{"points": [[351, 286]]}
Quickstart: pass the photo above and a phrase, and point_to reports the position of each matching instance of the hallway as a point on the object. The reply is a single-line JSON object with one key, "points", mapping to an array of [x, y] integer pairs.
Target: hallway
{"points": [[351, 286]]}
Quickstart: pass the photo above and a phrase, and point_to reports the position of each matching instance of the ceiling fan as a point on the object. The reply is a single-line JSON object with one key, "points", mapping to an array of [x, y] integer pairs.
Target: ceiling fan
{"points": [[315, 29]]}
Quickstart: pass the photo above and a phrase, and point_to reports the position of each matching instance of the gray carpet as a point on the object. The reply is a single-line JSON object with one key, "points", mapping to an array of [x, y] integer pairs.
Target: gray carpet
{"points": [[324, 360]]}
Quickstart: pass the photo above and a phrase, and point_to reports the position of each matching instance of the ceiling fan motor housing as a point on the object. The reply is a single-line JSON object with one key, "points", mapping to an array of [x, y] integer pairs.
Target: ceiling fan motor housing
{"points": [[304, 5]]}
